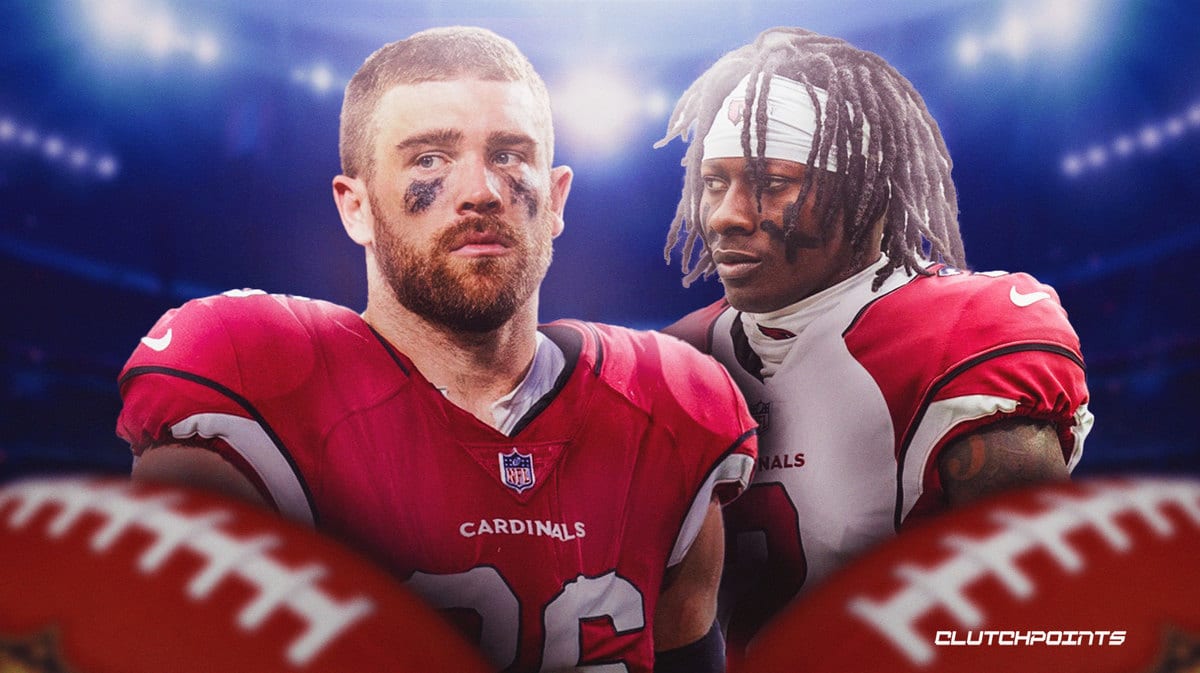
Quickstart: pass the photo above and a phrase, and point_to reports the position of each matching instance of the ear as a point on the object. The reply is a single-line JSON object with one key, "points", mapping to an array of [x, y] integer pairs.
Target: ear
{"points": [[354, 206], [560, 187]]}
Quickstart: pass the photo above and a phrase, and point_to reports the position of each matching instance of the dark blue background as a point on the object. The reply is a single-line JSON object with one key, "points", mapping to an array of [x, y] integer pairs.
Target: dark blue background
{"points": [[222, 180]]}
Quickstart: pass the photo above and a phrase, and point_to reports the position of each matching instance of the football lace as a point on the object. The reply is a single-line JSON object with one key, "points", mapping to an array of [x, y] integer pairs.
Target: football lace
{"points": [[997, 555], [277, 586]]}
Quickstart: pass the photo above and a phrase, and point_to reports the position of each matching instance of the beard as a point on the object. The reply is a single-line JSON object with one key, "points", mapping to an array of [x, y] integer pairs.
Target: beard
{"points": [[474, 295]]}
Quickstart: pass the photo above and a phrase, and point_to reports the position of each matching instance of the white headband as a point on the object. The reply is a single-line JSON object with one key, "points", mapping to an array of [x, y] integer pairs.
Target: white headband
{"points": [[791, 123]]}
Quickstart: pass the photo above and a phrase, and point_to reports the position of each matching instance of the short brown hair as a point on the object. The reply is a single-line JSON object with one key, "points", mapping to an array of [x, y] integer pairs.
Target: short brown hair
{"points": [[437, 54]]}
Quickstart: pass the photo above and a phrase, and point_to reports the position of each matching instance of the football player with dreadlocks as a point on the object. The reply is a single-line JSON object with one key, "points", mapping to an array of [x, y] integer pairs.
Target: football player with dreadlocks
{"points": [[888, 380]]}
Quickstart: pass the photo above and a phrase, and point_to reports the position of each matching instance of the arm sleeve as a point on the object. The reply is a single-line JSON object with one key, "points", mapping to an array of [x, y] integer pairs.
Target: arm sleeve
{"points": [[204, 377], [954, 352], [714, 424]]}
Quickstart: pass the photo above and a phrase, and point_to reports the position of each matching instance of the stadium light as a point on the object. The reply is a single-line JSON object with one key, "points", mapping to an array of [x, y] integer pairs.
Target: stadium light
{"points": [[1013, 37], [658, 105], [320, 78], [115, 19], [1151, 137], [1148, 139], [159, 36], [1055, 24], [1064, 21], [598, 109], [8, 130], [1072, 165], [206, 49], [106, 167], [125, 23], [970, 50], [54, 149]]}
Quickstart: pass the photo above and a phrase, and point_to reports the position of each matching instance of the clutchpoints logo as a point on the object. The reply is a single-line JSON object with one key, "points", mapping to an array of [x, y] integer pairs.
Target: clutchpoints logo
{"points": [[945, 586], [1028, 638]]}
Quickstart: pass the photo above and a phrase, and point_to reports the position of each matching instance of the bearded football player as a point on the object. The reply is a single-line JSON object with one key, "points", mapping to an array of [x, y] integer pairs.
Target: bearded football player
{"points": [[558, 488], [889, 381]]}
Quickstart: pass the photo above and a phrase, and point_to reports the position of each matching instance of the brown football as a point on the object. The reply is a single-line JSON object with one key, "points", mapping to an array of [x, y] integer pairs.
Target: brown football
{"points": [[1090, 576], [105, 576]]}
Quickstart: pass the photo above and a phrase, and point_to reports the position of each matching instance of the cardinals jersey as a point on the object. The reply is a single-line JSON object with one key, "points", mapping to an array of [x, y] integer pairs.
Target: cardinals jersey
{"points": [[851, 424], [547, 546]]}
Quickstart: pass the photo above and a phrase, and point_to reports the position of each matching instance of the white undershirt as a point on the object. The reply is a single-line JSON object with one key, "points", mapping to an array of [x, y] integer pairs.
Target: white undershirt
{"points": [[548, 363], [795, 317]]}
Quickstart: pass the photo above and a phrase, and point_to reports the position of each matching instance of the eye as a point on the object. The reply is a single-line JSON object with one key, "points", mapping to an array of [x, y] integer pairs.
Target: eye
{"points": [[773, 183], [713, 183], [430, 161], [506, 158]]}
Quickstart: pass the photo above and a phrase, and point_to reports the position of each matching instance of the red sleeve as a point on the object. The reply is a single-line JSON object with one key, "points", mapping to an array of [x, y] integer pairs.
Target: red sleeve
{"points": [[207, 375], [696, 327], [184, 365], [694, 403], [983, 347], [712, 415]]}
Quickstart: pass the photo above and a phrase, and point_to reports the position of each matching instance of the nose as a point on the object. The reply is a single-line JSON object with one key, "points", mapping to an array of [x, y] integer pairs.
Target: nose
{"points": [[480, 189], [736, 212]]}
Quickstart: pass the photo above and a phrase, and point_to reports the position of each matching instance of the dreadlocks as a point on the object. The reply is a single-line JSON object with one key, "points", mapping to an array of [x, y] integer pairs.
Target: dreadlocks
{"points": [[903, 176]]}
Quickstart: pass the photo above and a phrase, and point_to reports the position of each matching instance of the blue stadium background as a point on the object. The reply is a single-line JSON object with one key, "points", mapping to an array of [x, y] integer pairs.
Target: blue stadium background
{"points": [[153, 151]]}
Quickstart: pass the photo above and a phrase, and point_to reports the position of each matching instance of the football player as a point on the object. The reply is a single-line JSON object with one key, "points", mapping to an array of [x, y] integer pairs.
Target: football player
{"points": [[556, 490], [888, 380]]}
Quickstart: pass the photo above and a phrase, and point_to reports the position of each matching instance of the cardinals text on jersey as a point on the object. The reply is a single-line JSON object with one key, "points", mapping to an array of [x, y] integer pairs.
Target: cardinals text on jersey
{"points": [[874, 386], [547, 559]]}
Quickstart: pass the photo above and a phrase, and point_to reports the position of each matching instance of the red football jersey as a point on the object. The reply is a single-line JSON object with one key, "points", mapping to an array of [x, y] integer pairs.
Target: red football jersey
{"points": [[548, 546], [853, 420]]}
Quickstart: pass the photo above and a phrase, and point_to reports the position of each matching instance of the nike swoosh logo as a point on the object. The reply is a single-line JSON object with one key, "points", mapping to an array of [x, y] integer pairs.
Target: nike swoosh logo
{"points": [[160, 344], [1024, 300]]}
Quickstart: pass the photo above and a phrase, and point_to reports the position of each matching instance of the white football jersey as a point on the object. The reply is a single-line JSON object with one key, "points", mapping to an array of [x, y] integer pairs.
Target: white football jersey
{"points": [[853, 418]]}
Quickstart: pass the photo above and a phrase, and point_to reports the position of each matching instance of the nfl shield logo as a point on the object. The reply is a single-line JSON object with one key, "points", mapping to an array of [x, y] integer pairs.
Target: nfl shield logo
{"points": [[761, 412], [736, 109], [516, 470]]}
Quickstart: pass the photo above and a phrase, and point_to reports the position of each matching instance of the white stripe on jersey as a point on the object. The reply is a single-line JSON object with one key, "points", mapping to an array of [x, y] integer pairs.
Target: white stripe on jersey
{"points": [[735, 467], [1083, 425], [940, 418], [254, 445]]}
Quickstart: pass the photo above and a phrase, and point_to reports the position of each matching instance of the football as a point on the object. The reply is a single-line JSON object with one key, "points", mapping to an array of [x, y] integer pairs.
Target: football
{"points": [[105, 576], [1095, 576]]}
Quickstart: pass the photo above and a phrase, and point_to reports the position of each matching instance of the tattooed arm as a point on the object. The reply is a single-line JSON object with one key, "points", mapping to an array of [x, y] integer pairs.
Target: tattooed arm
{"points": [[1006, 454]]}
